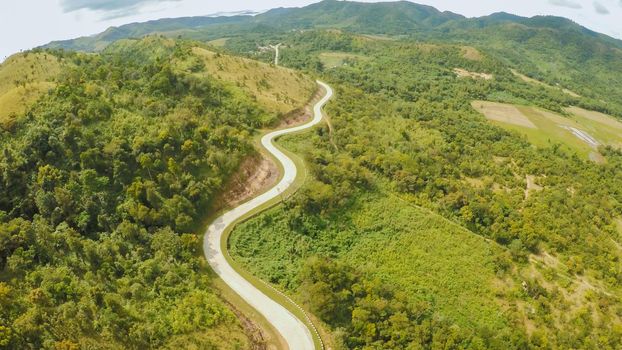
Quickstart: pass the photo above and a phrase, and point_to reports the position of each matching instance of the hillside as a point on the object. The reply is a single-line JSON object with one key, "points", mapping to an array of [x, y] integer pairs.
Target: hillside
{"points": [[171, 26], [23, 79], [277, 90], [394, 18], [550, 49], [428, 218], [102, 189]]}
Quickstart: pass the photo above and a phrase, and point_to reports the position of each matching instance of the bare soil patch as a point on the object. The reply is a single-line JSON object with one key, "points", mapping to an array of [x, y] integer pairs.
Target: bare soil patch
{"points": [[256, 174], [252, 330], [531, 185], [463, 73]]}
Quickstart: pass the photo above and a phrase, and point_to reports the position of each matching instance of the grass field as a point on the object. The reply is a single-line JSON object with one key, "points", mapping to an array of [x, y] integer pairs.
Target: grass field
{"points": [[422, 254], [23, 79], [218, 42], [544, 128], [278, 90], [337, 59]]}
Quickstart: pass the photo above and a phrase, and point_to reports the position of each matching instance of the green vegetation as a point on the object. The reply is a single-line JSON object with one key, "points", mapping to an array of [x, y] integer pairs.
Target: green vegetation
{"points": [[527, 254], [103, 185], [275, 89], [551, 50], [421, 225]]}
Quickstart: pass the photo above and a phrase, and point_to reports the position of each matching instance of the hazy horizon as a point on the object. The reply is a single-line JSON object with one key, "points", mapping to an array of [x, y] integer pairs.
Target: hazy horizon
{"points": [[68, 19]]}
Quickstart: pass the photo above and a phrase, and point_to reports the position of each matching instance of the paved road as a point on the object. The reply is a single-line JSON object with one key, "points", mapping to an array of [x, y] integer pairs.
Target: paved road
{"points": [[276, 53], [293, 330]]}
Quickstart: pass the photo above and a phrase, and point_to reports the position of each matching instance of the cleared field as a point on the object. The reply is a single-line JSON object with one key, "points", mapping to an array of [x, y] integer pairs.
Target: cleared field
{"points": [[337, 59], [278, 90], [583, 132], [604, 127], [23, 79], [504, 113], [463, 73], [218, 42], [378, 37]]}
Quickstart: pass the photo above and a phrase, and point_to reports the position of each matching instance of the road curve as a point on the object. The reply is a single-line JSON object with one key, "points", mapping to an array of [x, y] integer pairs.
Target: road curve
{"points": [[292, 329]]}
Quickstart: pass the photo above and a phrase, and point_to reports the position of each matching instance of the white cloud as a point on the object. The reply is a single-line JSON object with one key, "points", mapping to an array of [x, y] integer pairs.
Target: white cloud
{"points": [[110, 9], [566, 3], [600, 8]]}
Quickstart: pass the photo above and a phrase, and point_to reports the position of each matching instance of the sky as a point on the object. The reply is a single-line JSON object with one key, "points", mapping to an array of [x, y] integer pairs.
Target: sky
{"points": [[25, 24]]}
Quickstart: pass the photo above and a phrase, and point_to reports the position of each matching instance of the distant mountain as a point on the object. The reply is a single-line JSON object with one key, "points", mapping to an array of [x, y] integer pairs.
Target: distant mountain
{"points": [[391, 18], [553, 24], [401, 17], [169, 26], [394, 18], [234, 13]]}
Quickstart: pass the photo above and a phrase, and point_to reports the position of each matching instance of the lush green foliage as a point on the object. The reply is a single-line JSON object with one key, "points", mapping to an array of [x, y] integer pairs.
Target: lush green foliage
{"points": [[514, 246], [404, 126], [102, 184]]}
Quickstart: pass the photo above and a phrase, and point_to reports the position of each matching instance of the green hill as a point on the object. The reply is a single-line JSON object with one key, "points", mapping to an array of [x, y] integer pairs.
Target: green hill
{"points": [[395, 18], [102, 187]]}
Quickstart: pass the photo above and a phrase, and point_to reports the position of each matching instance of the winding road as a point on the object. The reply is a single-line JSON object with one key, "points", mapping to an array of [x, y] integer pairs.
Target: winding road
{"points": [[293, 330]]}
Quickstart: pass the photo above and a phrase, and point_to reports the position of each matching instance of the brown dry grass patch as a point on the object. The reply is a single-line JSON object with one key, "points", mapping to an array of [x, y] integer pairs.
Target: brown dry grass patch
{"points": [[23, 79]]}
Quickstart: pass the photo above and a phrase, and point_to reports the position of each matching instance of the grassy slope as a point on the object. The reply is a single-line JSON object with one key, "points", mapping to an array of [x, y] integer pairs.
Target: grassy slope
{"points": [[23, 79], [278, 90], [408, 247]]}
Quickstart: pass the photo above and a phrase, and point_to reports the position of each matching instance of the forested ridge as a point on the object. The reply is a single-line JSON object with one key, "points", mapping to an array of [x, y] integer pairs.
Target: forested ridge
{"points": [[103, 183]]}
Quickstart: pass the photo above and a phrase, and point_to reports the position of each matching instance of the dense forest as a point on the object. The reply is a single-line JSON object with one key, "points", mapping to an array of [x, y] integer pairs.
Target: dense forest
{"points": [[103, 182]]}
